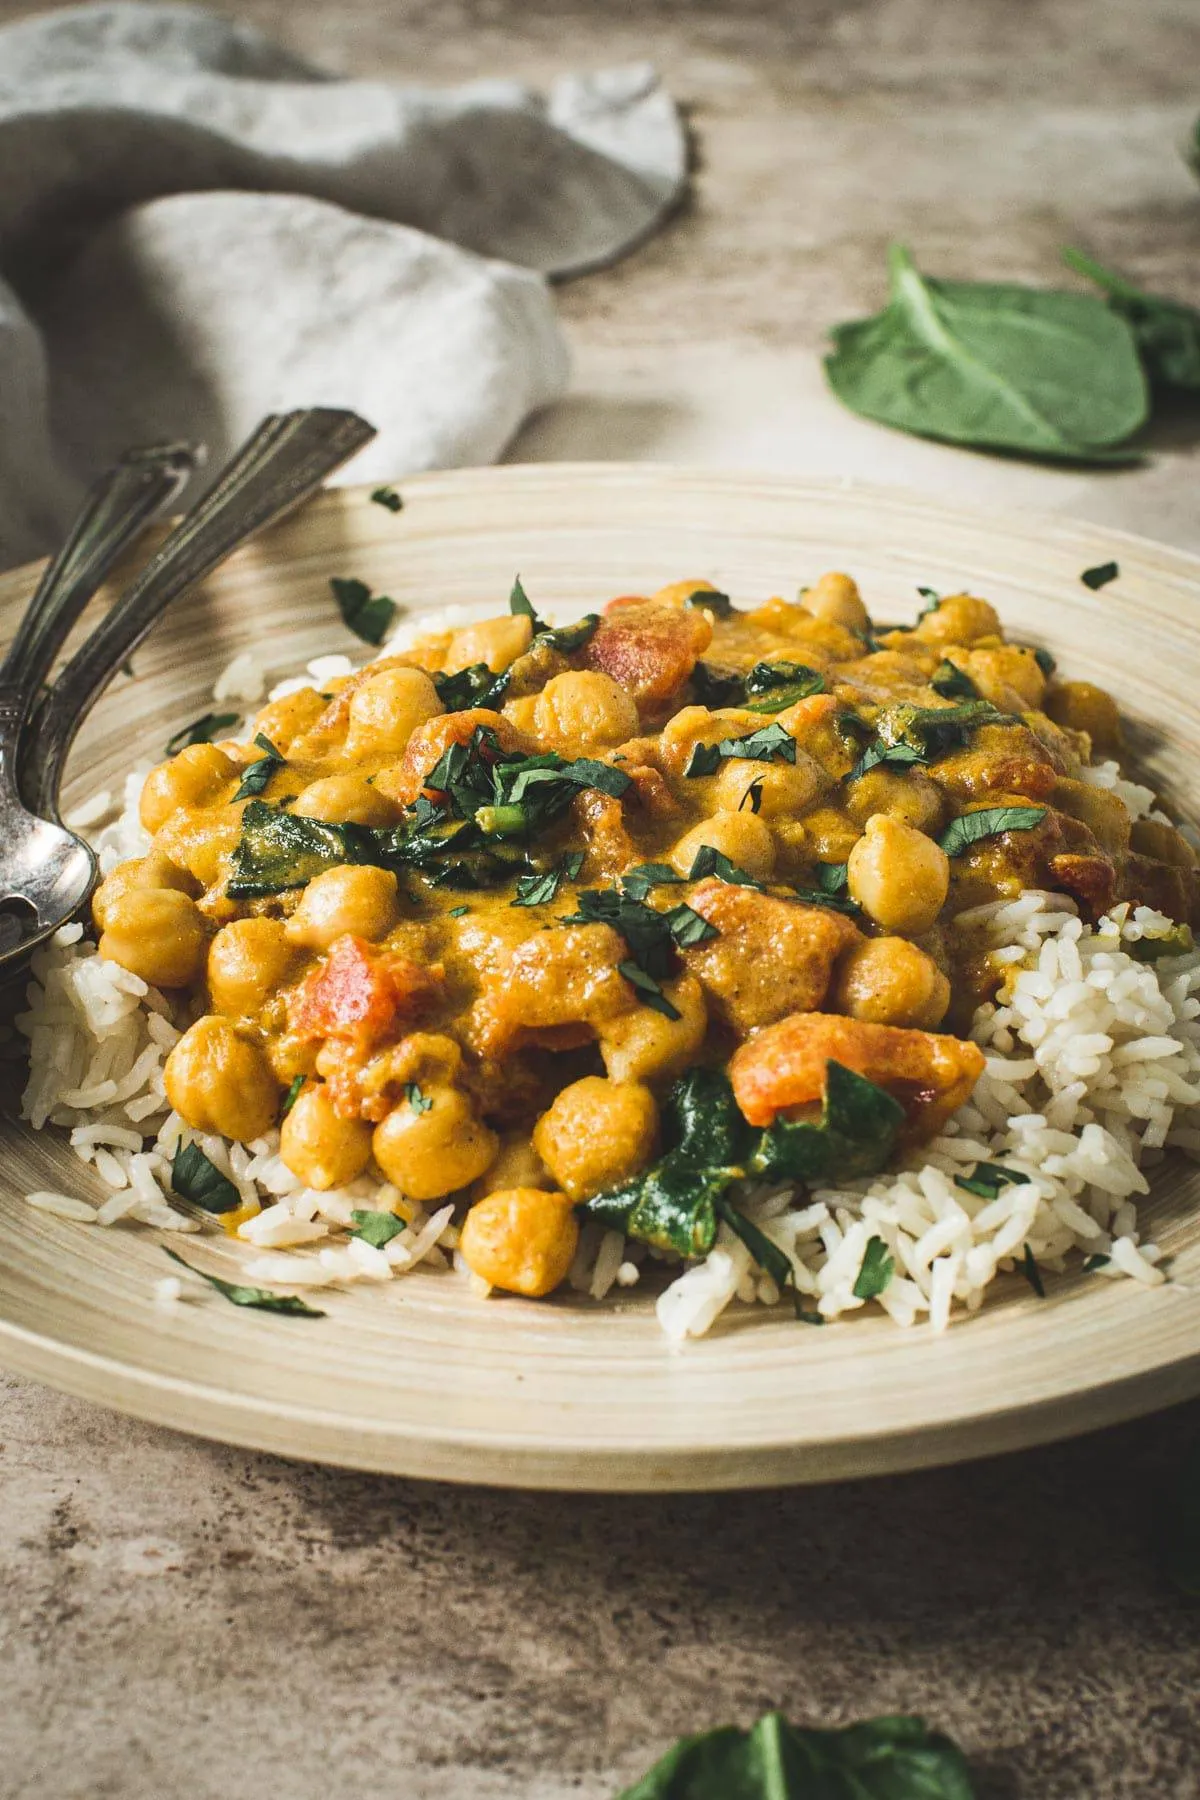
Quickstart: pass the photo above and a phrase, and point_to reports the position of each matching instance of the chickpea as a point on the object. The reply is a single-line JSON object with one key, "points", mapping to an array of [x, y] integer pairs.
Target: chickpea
{"points": [[587, 708], [1006, 673], [193, 778], [888, 981], [596, 1134], [155, 933], [345, 800], [836, 598], [1082, 706], [641, 1045], [319, 1146], [911, 797], [352, 898], [823, 835], [517, 1165], [959, 619], [783, 788], [218, 1080], [521, 1239], [140, 873], [201, 839], [496, 642], [387, 709], [431, 1150], [900, 876], [741, 836], [284, 720], [248, 962]]}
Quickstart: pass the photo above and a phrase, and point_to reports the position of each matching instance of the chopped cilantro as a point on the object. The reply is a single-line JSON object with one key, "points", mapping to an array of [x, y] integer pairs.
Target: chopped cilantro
{"points": [[876, 1272], [261, 1298], [367, 615], [201, 731], [987, 822], [259, 773], [387, 496], [420, 1103], [196, 1177], [1100, 576], [375, 1228]]}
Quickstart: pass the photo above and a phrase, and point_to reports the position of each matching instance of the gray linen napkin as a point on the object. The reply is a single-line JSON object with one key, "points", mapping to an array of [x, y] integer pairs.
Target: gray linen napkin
{"points": [[197, 228]]}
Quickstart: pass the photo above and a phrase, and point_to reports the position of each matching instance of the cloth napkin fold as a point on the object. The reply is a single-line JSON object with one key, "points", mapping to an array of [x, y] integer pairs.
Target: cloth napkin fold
{"points": [[196, 228]]}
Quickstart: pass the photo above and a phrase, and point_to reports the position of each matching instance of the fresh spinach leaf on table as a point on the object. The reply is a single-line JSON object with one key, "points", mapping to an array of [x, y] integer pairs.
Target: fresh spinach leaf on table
{"points": [[890, 1758], [993, 365], [1167, 331]]}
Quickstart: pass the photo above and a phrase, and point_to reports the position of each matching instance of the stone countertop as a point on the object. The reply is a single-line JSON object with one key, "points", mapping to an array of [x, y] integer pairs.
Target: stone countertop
{"points": [[177, 1615]]}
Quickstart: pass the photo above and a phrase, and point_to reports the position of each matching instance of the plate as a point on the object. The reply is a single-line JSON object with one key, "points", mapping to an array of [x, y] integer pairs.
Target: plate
{"points": [[422, 1379]]}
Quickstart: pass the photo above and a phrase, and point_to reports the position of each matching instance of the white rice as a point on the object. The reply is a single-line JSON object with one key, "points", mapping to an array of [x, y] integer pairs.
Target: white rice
{"points": [[1092, 1074]]}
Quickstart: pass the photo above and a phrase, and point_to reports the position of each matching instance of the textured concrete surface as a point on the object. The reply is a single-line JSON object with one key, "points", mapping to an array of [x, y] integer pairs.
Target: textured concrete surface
{"points": [[175, 1615]]}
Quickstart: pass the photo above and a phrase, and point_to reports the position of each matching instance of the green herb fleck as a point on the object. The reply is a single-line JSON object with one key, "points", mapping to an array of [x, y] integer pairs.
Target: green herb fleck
{"points": [[712, 600], [649, 989], [458, 912], [520, 603], [987, 822], [771, 743], [986, 1180], [1032, 1273], [420, 1103], [470, 687], [292, 1095], [1175, 942], [368, 616], [752, 798], [877, 1270], [259, 773], [387, 496], [637, 882], [953, 683], [1045, 662], [1097, 1261], [261, 1298], [196, 1178], [375, 1228], [201, 731], [539, 889], [1100, 576]]}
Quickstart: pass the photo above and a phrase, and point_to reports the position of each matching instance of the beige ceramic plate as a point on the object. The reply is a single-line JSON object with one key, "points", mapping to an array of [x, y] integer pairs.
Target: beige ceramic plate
{"points": [[420, 1379]]}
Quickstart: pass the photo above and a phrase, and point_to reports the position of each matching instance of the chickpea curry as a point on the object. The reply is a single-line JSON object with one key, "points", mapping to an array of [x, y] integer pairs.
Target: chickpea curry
{"points": [[599, 919]]}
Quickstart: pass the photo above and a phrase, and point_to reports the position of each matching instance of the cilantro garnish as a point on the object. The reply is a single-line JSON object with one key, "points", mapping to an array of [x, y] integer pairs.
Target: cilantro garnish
{"points": [[367, 615], [201, 731], [259, 773], [375, 1228], [388, 497], [987, 822], [196, 1177], [771, 743], [261, 1298], [420, 1103]]}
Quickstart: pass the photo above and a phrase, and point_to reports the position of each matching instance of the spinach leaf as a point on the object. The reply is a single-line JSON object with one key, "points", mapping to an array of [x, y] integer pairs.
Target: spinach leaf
{"points": [[375, 1228], [387, 496], [932, 600], [261, 1298], [196, 1177], [702, 1121], [772, 686], [520, 603], [891, 1758], [201, 731], [881, 755], [821, 896], [540, 889], [471, 687], [715, 688], [833, 878], [876, 1272], [1100, 576], [1092, 1263], [855, 1134], [566, 638], [688, 927], [368, 616], [712, 600], [709, 861], [953, 683], [638, 882], [771, 743], [293, 1094], [766, 1254], [752, 798], [1045, 662], [420, 1103], [1031, 1272], [1175, 942], [992, 364], [259, 773], [279, 850], [1167, 332], [970, 827], [986, 1180]]}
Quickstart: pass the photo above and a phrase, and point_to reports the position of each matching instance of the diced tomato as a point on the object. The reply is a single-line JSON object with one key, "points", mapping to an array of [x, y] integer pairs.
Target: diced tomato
{"points": [[784, 1065], [649, 649], [359, 992]]}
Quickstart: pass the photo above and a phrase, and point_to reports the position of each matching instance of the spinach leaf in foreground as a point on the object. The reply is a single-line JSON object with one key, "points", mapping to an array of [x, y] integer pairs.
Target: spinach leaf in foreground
{"points": [[201, 731], [261, 1298], [854, 1135], [994, 365], [892, 1758], [279, 850], [196, 1177], [987, 822], [1166, 331], [1100, 576], [470, 687], [367, 615]]}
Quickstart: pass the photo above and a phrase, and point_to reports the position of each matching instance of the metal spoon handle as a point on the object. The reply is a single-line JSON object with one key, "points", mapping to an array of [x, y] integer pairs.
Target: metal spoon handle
{"points": [[114, 510], [286, 458]]}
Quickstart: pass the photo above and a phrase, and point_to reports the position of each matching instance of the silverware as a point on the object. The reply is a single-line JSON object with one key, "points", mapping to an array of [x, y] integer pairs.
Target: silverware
{"points": [[46, 872]]}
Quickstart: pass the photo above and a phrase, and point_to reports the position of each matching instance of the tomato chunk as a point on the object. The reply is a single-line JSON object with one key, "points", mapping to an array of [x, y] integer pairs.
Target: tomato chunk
{"points": [[783, 1065], [359, 992], [650, 649]]}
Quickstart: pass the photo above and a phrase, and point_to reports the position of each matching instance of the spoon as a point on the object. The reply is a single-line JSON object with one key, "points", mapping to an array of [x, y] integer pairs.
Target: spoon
{"points": [[46, 872], [37, 856]]}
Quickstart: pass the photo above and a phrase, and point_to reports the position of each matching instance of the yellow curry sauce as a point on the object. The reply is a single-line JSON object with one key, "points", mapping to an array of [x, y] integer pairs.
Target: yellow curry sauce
{"points": [[743, 841]]}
